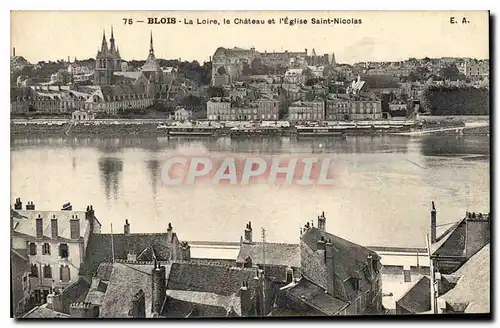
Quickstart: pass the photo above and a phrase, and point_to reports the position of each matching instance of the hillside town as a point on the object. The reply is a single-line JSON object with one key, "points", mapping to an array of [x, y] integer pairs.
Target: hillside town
{"points": [[245, 85], [63, 266]]}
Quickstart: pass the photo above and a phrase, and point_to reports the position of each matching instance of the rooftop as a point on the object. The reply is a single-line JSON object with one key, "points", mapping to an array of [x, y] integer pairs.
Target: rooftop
{"points": [[315, 296], [220, 280], [43, 312], [125, 281], [473, 286], [143, 245], [418, 297], [25, 222], [275, 254], [353, 258]]}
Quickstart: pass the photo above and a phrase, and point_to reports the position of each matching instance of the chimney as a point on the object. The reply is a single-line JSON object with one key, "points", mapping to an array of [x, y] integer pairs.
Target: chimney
{"points": [[248, 233], [54, 302], [369, 264], [90, 215], [18, 205], [30, 206], [320, 246], [83, 310], [245, 300], [159, 288], [138, 305], [39, 227], [74, 227], [185, 251], [407, 273], [289, 275], [330, 270], [53, 226], [126, 228], [433, 223], [322, 222], [132, 256]]}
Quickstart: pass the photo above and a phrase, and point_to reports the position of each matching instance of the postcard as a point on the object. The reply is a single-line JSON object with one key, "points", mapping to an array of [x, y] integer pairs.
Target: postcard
{"points": [[235, 164]]}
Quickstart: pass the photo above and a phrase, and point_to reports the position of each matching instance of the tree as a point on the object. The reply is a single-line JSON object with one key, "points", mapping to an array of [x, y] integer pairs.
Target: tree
{"points": [[215, 91], [450, 72], [191, 102]]}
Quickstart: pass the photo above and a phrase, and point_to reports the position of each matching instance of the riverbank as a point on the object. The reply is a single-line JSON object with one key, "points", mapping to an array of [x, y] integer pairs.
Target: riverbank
{"points": [[113, 128]]}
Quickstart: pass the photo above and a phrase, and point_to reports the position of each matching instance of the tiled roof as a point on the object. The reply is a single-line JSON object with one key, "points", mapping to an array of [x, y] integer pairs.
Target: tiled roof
{"points": [[208, 278], [275, 254], [315, 297], [130, 74], [473, 287], [175, 308], [126, 280], [99, 248], [439, 246], [104, 271], [418, 297], [121, 90], [353, 256], [42, 312], [151, 65], [226, 303], [28, 226]]}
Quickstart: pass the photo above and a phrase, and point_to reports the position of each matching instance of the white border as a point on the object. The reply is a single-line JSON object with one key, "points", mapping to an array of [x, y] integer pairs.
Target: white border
{"points": [[194, 5]]}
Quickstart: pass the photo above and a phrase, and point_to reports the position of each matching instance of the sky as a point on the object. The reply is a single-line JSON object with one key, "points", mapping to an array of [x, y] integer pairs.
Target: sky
{"points": [[381, 36]]}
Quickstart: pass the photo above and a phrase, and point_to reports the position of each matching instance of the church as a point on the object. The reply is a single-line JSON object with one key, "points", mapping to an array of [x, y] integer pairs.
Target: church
{"points": [[107, 62]]}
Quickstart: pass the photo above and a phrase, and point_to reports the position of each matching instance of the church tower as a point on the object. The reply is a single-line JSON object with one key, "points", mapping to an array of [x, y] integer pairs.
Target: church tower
{"points": [[107, 61]]}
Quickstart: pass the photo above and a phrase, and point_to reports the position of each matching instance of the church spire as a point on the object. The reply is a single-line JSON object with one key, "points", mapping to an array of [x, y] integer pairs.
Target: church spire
{"points": [[151, 49], [112, 42], [104, 44]]}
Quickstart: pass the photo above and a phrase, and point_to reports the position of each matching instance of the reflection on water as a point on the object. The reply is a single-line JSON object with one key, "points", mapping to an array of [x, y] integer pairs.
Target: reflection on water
{"points": [[266, 145], [381, 197], [110, 169], [455, 145], [154, 173]]}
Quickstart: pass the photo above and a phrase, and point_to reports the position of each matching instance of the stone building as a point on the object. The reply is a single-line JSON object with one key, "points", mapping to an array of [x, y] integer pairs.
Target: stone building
{"points": [[219, 109], [55, 243], [114, 99], [107, 62], [338, 277], [227, 64], [342, 107], [307, 111]]}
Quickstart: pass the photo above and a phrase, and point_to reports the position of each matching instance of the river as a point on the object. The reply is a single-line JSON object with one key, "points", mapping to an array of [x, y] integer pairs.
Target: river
{"points": [[382, 195]]}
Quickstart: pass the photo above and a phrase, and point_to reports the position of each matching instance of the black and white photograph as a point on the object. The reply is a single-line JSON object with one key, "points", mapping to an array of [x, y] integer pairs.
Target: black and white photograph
{"points": [[249, 164]]}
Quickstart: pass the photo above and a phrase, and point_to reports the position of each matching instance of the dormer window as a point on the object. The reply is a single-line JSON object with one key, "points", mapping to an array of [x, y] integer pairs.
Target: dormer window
{"points": [[355, 283]]}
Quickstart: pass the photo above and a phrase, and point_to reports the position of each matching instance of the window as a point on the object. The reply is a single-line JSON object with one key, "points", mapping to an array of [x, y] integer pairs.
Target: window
{"points": [[355, 284], [34, 271], [32, 249], [63, 251], [47, 272], [64, 273], [358, 305], [46, 249], [368, 299]]}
